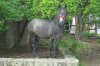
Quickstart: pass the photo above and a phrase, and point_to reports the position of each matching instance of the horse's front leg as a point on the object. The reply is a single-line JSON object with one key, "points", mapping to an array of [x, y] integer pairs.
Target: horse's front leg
{"points": [[57, 46]]}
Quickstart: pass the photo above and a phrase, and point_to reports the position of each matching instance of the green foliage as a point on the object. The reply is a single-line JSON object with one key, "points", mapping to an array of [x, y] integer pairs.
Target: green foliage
{"points": [[95, 9], [2, 26], [88, 34], [81, 64], [76, 6], [83, 6], [72, 46], [98, 35], [16, 9], [48, 8], [13, 10], [45, 8], [98, 40]]}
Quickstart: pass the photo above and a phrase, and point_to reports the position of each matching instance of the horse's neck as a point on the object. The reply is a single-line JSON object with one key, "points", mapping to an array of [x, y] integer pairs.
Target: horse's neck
{"points": [[61, 27]]}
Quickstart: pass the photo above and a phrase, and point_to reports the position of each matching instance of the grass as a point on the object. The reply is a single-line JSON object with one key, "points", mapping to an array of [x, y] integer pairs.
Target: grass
{"points": [[70, 45], [81, 64]]}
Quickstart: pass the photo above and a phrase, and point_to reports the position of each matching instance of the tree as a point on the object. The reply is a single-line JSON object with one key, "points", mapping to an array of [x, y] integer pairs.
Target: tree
{"points": [[45, 8], [82, 8], [14, 10]]}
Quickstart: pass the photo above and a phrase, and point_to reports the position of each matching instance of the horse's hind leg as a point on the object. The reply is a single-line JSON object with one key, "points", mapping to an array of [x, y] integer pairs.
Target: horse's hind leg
{"points": [[33, 44], [37, 41]]}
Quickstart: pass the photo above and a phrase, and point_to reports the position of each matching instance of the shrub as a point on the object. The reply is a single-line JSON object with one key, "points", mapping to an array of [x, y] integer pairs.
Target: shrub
{"points": [[88, 34], [71, 46]]}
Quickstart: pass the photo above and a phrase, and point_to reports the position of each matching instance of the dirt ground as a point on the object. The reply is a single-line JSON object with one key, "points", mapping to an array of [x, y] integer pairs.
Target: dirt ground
{"points": [[90, 56], [42, 52]]}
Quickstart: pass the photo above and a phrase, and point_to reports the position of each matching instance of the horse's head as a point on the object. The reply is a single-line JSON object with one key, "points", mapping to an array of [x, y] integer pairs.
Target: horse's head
{"points": [[61, 17]]}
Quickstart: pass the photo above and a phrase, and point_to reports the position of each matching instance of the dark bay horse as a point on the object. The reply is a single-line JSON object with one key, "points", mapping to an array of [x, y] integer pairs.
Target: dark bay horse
{"points": [[51, 29]]}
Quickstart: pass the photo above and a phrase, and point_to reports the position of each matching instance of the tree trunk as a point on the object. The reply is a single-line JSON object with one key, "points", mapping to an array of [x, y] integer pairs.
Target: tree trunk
{"points": [[9, 39], [79, 27], [10, 36], [22, 32]]}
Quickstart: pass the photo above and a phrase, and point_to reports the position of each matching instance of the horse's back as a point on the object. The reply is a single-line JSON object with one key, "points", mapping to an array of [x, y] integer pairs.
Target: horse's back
{"points": [[40, 27], [34, 23]]}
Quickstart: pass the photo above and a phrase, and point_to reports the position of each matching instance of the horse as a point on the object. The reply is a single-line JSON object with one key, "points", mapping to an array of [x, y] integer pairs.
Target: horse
{"points": [[47, 29]]}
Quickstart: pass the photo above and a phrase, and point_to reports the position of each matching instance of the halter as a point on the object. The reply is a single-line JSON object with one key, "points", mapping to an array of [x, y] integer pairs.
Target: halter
{"points": [[64, 17]]}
